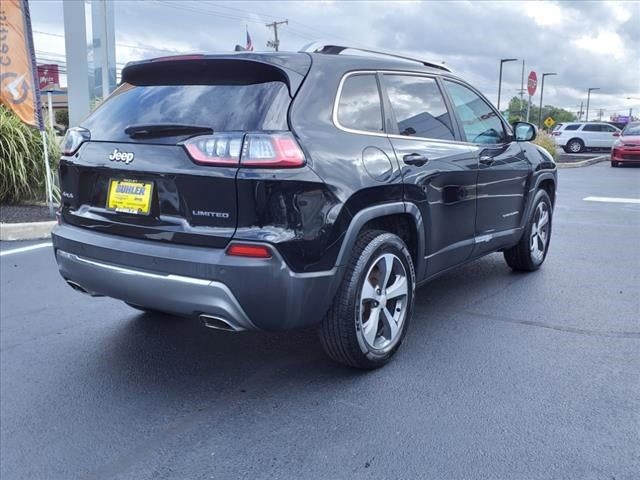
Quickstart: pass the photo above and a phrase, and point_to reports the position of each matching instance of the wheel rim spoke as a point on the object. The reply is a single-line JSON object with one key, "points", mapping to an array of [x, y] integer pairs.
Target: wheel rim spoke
{"points": [[398, 288], [370, 328], [386, 267], [368, 291], [390, 323]]}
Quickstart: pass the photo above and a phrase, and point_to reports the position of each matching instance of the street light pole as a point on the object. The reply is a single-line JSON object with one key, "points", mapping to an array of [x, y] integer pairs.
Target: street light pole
{"points": [[502, 60], [541, 94], [586, 119]]}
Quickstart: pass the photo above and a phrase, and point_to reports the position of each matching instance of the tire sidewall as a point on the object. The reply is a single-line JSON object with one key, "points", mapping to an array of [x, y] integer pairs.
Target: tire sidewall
{"points": [[575, 142], [384, 243]]}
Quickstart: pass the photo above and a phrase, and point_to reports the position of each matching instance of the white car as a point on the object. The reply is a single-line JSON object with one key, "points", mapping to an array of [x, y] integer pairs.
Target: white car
{"points": [[576, 137]]}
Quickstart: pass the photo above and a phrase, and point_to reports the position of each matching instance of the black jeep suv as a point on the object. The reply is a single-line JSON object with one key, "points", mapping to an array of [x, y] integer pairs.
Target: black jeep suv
{"points": [[279, 190]]}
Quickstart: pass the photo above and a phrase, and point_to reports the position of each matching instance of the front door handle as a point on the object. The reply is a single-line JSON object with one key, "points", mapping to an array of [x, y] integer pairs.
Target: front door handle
{"points": [[416, 159], [486, 160]]}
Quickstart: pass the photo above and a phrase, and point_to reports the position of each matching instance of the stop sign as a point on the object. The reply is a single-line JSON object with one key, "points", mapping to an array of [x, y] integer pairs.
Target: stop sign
{"points": [[532, 83]]}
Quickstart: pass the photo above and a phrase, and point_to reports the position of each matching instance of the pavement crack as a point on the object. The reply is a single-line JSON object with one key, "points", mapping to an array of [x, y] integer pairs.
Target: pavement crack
{"points": [[559, 328]]}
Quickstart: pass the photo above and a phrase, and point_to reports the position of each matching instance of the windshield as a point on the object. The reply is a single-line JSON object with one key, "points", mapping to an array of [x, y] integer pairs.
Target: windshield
{"points": [[632, 129], [250, 107]]}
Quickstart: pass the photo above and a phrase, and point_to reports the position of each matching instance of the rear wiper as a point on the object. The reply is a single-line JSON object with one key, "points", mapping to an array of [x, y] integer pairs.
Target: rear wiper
{"points": [[165, 130]]}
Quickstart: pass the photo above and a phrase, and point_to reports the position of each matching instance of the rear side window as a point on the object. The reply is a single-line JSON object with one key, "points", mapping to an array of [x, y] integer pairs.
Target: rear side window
{"points": [[419, 107], [592, 128], [359, 107], [252, 107], [573, 126]]}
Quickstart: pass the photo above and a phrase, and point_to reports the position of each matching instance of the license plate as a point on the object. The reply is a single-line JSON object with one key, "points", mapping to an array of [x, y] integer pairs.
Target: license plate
{"points": [[130, 196]]}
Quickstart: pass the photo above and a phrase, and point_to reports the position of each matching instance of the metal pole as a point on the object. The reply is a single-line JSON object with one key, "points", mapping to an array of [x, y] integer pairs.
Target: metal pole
{"points": [[528, 107], [586, 117], [47, 171], [522, 90], [499, 85], [540, 110], [50, 108]]}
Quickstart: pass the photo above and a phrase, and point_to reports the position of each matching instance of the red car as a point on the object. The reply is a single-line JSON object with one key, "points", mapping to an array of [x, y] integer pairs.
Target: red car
{"points": [[626, 150]]}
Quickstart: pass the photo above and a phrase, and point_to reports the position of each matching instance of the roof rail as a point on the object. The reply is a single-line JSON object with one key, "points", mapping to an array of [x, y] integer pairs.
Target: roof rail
{"points": [[332, 49]]}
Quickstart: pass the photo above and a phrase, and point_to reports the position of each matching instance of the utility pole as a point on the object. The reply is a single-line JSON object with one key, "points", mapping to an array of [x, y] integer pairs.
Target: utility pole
{"points": [[586, 119], [522, 92], [581, 111], [275, 43]]}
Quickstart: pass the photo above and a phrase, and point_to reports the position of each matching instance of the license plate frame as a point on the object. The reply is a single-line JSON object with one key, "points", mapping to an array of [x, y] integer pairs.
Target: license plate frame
{"points": [[130, 199]]}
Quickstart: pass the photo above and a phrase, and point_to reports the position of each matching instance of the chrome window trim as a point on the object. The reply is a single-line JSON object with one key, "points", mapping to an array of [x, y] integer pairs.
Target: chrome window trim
{"points": [[336, 103]]}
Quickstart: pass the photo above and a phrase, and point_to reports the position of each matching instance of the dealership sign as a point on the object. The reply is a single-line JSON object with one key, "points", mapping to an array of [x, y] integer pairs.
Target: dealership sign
{"points": [[48, 76], [532, 83]]}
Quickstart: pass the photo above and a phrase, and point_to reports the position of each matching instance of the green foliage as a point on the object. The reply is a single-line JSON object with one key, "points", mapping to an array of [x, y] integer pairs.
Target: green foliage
{"points": [[518, 112], [62, 117], [22, 171], [544, 140]]}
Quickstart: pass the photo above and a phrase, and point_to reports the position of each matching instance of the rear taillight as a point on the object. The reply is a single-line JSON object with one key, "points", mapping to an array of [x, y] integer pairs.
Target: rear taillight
{"points": [[222, 149], [271, 150], [73, 139], [248, 250], [555, 134]]}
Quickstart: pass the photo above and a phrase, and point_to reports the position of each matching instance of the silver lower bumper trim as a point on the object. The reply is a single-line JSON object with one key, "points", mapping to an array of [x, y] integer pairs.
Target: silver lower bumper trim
{"points": [[166, 292]]}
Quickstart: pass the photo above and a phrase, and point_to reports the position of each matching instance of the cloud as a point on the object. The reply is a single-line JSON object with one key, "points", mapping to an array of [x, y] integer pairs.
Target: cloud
{"points": [[589, 44]]}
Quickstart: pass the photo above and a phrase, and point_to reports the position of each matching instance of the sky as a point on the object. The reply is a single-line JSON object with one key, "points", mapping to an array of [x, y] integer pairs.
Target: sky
{"points": [[588, 44]]}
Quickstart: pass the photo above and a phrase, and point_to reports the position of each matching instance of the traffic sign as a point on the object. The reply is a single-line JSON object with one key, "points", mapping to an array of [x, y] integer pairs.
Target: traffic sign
{"points": [[548, 122], [532, 83]]}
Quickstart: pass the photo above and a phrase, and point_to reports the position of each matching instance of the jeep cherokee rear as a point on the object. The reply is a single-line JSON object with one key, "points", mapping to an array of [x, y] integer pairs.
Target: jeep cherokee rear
{"points": [[274, 191]]}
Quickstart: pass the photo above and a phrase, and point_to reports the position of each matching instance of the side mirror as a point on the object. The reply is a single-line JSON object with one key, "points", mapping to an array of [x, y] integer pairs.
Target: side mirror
{"points": [[524, 131]]}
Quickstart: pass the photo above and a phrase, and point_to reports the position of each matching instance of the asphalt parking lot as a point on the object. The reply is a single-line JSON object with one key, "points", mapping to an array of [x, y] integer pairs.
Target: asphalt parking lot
{"points": [[502, 375]]}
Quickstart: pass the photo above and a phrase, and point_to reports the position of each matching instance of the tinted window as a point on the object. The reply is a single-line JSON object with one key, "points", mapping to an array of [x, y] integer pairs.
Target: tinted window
{"points": [[592, 128], [481, 124], [419, 107], [632, 129], [573, 126], [608, 128], [257, 106], [359, 107]]}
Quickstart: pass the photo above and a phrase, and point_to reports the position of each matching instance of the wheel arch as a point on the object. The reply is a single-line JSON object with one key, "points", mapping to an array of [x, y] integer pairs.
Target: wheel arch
{"points": [[400, 218], [546, 181]]}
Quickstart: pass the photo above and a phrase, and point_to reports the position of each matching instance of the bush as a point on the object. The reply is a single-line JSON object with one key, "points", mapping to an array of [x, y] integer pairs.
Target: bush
{"points": [[22, 171], [545, 141], [62, 117]]}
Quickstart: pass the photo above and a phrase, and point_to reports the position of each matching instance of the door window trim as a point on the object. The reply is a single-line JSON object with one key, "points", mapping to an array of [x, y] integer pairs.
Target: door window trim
{"points": [[384, 101]]}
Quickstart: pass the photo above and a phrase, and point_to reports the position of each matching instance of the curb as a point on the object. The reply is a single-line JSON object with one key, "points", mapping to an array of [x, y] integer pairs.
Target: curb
{"points": [[584, 163], [26, 231]]}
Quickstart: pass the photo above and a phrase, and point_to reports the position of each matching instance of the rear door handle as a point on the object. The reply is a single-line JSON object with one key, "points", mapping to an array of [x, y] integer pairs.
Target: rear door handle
{"points": [[416, 159]]}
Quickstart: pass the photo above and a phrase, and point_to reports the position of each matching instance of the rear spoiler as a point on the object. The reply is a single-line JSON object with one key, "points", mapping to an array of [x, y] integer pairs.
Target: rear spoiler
{"points": [[240, 68]]}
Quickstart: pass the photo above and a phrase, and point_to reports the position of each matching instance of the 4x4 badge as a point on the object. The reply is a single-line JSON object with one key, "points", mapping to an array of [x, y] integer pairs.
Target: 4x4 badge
{"points": [[126, 157]]}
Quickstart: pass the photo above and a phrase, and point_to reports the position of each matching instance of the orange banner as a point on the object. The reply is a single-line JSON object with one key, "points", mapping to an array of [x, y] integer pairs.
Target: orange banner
{"points": [[18, 89]]}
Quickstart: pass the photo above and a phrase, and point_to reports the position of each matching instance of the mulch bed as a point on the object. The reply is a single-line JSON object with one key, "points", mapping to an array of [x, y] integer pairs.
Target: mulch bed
{"points": [[25, 213]]}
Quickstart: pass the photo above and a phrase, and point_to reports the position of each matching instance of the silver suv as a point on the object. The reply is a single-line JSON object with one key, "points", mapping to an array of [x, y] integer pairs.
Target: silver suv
{"points": [[577, 137]]}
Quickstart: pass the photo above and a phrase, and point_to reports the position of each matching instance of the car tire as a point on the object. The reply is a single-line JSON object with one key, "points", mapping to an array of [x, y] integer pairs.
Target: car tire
{"points": [[614, 164], [530, 252], [575, 145], [365, 325]]}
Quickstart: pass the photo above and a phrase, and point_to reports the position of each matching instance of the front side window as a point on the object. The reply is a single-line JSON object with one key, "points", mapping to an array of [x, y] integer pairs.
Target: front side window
{"points": [[359, 107], [419, 107], [481, 124]]}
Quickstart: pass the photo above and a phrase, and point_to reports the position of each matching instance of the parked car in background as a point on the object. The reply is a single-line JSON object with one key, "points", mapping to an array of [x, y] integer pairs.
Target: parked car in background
{"points": [[576, 137], [626, 150]]}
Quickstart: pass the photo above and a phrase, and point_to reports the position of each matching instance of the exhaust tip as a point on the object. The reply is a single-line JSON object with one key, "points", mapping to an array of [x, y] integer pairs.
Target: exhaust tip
{"points": [[77, 287], [217, 323]]}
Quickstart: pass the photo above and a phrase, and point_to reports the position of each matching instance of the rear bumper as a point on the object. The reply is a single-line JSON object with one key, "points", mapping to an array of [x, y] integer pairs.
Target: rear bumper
{"points": [[247, 293]]}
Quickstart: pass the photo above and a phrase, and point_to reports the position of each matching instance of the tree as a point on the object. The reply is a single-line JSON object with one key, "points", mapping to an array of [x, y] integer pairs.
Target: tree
{"points": [[518, 112]]}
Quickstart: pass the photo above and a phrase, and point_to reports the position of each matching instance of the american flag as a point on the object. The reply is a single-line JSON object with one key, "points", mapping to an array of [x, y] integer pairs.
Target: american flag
{"points": [[249, 46]]}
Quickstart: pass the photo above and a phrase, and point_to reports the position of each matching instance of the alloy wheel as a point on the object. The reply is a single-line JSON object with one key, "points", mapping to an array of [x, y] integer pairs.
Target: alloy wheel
{"points": [[540, 232], [383, 302]]}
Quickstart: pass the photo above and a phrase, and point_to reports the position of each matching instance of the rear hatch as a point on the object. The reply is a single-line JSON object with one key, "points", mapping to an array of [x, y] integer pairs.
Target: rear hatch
{"points": [[158, 159]]}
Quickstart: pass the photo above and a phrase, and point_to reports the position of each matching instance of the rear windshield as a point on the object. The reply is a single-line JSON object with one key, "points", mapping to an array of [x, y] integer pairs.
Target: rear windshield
{"points": [[248, 107], [632, 129]]}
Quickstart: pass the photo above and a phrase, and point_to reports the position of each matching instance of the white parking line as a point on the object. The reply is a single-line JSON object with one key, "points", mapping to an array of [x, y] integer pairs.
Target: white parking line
{"points": [[611, 199], [25, 249]]}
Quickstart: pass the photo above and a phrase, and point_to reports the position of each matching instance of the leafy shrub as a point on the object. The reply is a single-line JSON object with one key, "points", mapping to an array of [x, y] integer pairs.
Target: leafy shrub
{"points": [[62, 117], [22, 171], [544, 140]]}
